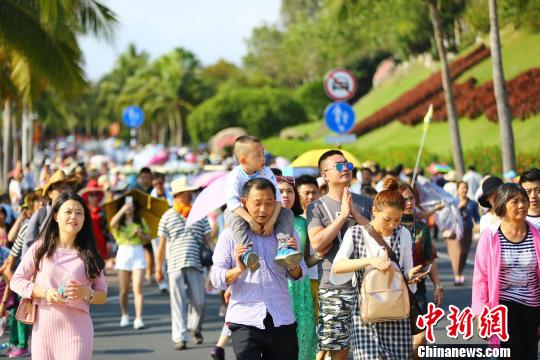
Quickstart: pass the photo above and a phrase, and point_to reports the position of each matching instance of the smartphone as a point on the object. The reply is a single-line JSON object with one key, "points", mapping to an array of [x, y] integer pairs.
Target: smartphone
{"points": [[129, 200], [423, 272]]}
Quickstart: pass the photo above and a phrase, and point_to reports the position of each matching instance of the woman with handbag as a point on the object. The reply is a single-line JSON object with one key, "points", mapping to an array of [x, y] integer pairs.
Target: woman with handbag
{"points": [[380, 330], [58, 278], [507, 271], [424, 254]]}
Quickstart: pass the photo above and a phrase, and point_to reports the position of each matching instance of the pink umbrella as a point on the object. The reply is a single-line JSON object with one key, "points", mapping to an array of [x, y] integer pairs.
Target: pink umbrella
{"points": [[207, 178], [160, 158], [211, 198]]}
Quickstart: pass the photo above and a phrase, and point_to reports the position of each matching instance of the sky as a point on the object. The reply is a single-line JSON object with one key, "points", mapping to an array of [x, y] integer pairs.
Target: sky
{"points": [[211, 29]]}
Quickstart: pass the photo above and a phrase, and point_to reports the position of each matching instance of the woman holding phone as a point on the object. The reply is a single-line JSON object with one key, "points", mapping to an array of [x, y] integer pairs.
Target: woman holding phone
{"points": [[130, 233], [360, 250], [424, 254]]}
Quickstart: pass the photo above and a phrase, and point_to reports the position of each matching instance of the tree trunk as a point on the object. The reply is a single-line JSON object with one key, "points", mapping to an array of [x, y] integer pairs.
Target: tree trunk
{"points": [[172, 129], [162, 131], [6, 129], [25, 125], [15, 139], [457, 151], [501, 95], [180, 129]]}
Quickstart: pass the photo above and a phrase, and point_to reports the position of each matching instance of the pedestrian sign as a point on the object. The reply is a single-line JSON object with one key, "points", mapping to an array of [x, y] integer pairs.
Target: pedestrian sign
{"points": [[133, 116], [339, 117], [340, 84]]}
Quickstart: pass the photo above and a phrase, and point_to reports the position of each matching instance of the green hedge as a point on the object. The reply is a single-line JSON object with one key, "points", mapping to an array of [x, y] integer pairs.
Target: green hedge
{"points": [[262, 112], [486, 159]]}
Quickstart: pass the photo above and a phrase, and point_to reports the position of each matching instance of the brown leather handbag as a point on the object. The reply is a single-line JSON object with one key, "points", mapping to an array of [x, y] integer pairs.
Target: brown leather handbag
{"points": [[26, 312], [396, 292]]}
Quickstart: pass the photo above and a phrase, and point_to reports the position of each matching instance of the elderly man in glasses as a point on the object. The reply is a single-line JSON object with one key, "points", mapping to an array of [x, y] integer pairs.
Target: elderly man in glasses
{"points": [[328, 219]]}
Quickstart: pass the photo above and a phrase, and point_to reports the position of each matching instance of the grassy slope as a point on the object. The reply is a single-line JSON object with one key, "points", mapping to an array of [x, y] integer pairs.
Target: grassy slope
{"points": [[474, 133]]}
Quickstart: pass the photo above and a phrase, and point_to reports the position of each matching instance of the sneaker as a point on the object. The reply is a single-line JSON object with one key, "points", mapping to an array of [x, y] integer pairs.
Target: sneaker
{"points": [[288, 257], [163, 288], [218, 353], [19, 353], [181, 345], [197, 338], [124, 321], [5, 349], [138, 324], [251, 260]]}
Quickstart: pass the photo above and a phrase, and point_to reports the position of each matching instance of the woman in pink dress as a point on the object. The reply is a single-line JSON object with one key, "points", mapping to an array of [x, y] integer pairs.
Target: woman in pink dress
{"points": [[63, 274]]}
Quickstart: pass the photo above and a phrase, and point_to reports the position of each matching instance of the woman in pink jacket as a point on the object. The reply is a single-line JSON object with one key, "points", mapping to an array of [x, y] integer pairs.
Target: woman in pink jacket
{"points": [[507, 272], [63, 274]]}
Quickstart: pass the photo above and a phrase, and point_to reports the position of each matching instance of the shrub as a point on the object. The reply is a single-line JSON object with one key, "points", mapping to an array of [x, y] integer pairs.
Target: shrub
{"points": [[313, 98], [262, 112]]}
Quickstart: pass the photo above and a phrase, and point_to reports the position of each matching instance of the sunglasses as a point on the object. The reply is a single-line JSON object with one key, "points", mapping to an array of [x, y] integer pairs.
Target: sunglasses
{"points": [[340, 166], [287, 179]]}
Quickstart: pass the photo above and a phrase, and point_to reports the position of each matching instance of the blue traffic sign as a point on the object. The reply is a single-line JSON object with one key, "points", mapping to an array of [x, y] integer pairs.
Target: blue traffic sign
{"points": [[132, 116], [339, 117]]}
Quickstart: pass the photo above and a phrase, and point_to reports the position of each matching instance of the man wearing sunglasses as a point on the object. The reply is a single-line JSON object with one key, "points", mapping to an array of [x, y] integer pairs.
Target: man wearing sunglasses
{"points": [[328, 219]]}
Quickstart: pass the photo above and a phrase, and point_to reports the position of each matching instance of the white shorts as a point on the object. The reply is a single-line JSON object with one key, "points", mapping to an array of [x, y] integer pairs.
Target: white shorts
{"points": [[130, 257]]}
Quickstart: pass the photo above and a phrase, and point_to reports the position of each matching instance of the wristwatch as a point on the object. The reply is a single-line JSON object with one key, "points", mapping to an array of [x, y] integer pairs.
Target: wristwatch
{"points": [[439, 287]]}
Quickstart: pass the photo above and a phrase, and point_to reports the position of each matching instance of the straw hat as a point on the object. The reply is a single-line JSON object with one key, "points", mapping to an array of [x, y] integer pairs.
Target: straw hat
{"points": [[181, 185], [58, 177], [92, 187]]}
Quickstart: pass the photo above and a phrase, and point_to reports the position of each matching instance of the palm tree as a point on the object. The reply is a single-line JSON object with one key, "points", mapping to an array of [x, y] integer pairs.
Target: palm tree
{"points": [[501, 95], [457, 151], [39, 46]]}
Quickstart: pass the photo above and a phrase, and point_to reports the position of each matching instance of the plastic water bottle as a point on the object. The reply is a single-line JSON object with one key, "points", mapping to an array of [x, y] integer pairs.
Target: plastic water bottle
{"points": [[63, 284]]}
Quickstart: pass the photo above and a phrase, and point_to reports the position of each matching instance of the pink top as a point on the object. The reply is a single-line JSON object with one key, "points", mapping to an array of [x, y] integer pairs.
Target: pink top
{"points": [[52, 271], [487, 268]]}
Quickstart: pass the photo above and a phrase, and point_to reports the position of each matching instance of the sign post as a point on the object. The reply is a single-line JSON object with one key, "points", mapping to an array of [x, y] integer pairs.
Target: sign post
{"points": [[339, 117], [133, 118], [340, 85]]}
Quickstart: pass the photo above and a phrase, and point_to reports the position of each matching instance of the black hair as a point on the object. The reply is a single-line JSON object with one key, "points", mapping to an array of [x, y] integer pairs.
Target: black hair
{"points": [[259, 184], [471, 167], [297, 207], [136, 214], [276, 172], [145, 170], [326, 155], [85, 242], [305, 180], [244, 139], [530, 175], [158, 175], [368, 191], [504, 194]]}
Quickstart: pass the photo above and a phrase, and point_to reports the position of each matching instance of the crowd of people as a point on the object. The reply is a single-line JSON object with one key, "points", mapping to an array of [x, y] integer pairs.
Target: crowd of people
{"points": [[292, 257]]}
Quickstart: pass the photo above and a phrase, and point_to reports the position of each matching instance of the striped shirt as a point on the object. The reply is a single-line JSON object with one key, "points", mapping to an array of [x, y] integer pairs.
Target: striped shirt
{"points": [[183, 244], [519, 280], [16, 249]]}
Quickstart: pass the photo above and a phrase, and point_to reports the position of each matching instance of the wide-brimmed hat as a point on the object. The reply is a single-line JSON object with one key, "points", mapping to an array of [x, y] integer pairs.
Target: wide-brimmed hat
{"points": [[58, 177], [489, 185], [181, 185], [92, 187]]}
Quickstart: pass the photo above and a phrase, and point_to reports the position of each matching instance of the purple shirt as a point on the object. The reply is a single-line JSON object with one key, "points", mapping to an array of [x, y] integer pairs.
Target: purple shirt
{"points": [[253, 294]]}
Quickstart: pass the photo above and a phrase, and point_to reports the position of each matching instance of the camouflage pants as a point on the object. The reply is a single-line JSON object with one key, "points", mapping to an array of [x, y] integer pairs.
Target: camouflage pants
{"points": [[335, 316]]}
